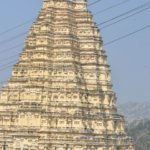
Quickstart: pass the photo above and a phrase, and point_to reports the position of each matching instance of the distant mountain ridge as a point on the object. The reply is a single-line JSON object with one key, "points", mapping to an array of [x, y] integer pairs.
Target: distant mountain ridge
{"points": [[134, 110]]}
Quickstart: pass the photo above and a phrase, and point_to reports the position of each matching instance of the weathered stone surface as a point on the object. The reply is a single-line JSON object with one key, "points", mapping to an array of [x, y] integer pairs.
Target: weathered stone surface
{"points": [[60, 94]]}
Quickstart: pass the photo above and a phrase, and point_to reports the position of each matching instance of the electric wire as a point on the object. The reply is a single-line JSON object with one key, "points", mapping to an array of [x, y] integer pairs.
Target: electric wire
{"points": [[21, 44], [124, 18], [8, 58], [101, 28], [11, 48], [34, 19], [6, 68], [94, 2], [103, 44], [8, 63], [126, 35], [3, 82], [13, 38], [17, 36], [125, 13], [17, 26], [111, 7]]}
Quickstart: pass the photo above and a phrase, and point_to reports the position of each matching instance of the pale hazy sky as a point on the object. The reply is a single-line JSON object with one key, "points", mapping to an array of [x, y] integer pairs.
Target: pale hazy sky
{"points": [[128, 58]]}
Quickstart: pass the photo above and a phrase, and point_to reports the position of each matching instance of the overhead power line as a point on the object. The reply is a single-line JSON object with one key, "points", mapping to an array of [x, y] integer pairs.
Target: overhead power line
{"points": [[6, 67], [35, 18], [126, 35], [8, 58], [94, 2], [125, 13], [17, 36], [111, 7], [8, 63], [3, 82], [99, 24], [11, 48], [21, 44], [103, 44], [13, 38], [17, 26], [124, 18]]}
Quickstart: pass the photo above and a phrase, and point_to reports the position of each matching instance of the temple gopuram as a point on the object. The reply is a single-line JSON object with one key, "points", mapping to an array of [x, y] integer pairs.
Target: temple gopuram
{"points": [[60, 96]]}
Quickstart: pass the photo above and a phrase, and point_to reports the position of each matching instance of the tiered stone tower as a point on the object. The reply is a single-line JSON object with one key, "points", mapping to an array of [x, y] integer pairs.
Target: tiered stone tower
{"points": [[60, 95]]}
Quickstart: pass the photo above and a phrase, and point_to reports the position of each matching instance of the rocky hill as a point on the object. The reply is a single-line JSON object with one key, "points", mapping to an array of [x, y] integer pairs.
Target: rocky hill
{"points": [[134, 110]]}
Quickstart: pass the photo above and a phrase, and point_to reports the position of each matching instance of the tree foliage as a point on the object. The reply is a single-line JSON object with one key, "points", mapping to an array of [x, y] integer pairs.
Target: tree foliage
{"points": [[140, 133]]}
